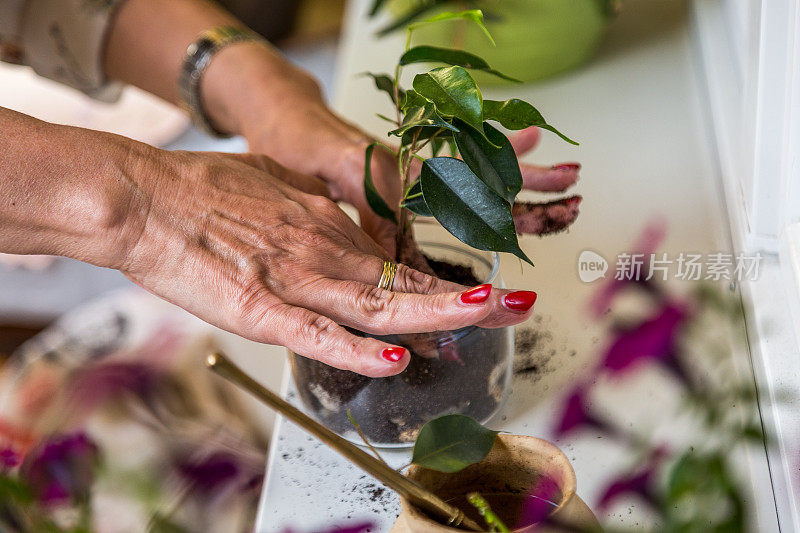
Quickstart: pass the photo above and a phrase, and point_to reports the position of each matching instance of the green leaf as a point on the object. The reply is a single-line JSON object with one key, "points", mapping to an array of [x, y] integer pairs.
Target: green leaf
{"points": [[472, 15], [413, 99], [411, 15], [376, 6], [415, 201], [516, 114], [451, 443], [385, 83], [378, 205], [433, 54], [467, 207], [698, 484], [494, 161], [454, 92], [422, 116]]}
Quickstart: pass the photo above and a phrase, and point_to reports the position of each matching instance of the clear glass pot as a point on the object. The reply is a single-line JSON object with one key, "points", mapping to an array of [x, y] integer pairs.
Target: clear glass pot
{"points": [[466, 371]]}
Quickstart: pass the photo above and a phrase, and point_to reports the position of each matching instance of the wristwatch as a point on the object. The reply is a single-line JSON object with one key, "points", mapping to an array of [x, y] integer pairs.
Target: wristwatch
{"points": [[198, 57]]}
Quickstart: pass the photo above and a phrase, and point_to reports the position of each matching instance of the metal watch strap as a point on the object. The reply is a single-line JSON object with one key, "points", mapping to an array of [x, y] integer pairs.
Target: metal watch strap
{"points": [[198, 57]]}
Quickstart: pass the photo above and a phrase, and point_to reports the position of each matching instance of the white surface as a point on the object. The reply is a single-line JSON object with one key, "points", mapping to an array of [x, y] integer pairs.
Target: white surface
{"points": [[646, 152], [137, 115]]}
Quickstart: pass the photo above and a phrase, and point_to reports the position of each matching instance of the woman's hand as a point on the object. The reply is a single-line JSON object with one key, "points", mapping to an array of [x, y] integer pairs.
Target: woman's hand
{"points": [[233, 240], [283, 115]]}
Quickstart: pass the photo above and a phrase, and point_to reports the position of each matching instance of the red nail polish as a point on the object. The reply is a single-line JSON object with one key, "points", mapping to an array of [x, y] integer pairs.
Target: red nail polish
{"points": [[519, 300], [476, 295], [393, 354], [567, 166]]}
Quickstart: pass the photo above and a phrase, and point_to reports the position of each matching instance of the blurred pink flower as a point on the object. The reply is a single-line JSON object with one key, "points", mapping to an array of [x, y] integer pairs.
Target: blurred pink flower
{"points": [[362, 527], [9, 458], [61, 469]]}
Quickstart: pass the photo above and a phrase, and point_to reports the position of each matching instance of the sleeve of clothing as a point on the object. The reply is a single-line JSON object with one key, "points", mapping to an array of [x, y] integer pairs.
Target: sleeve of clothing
{"points": [[61, 39]]}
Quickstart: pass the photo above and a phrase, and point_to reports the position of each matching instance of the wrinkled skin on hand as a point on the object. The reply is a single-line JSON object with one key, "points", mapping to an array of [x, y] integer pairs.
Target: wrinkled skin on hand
{"points": [[335, 154], [243, 243]]}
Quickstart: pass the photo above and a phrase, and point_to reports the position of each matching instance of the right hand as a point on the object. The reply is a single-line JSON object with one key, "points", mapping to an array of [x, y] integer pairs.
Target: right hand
{"points": [[250, 246]]}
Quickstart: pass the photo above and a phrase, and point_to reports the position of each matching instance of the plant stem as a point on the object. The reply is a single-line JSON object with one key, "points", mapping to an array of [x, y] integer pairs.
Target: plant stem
{"points": [[491, 519]]}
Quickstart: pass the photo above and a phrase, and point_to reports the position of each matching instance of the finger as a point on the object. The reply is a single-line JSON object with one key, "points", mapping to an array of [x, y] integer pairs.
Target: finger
{"points": [[546, 218], [525, 140], [367, 269], [303, 182], [557, 178], [507, 307], [378, 311], [318, 337]]}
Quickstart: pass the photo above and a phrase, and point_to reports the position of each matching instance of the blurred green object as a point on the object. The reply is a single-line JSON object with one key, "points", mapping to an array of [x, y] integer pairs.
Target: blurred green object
{"points": [[535, 38]]}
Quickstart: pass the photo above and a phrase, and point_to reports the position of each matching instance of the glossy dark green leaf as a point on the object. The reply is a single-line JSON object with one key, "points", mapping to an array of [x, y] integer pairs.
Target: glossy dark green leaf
{"points": [[412, 98], [433, 54], [415, 201], [454, 92], [427, 132], [516, 114], [467, 207], [472, 15], [411, 15], [385, 83], [451, 443], [374, 199], [492, 160], [422, 116]]}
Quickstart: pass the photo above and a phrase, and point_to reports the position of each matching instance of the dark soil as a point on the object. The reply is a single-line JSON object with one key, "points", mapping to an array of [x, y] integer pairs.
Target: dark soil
{"points": [[463, 371]]}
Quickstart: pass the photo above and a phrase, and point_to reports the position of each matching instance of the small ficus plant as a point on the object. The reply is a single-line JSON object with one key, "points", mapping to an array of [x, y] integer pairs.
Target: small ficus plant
{"points": [[471, 191]]}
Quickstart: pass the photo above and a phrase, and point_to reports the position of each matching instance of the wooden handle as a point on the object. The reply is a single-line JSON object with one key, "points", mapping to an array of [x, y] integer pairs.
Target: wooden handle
{"points": [[397, 482]]}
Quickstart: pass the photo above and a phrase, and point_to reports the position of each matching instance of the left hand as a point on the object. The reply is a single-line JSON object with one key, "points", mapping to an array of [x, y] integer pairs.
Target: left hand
{"points": [[287, 119]]}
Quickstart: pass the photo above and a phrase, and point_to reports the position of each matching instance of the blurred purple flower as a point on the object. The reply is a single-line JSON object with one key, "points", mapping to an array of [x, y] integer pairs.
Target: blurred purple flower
{"points": [[94, 384], [653, 338], [8, 458], [61, 469], [219, 471], [646, 244], [576, 414], [210, 474], [358, 528], [639, 482], [542, 500]]}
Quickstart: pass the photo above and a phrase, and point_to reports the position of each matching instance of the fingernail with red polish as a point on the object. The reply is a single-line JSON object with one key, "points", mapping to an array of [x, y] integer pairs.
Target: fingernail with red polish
{"points": [[567, 166], [519, 300], [574, 201], [393, 354], [476, 295]]}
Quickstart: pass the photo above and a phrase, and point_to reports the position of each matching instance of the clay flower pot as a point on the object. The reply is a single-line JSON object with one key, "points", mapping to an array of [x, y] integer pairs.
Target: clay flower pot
{"points": [[520, 472], [467, 371]]}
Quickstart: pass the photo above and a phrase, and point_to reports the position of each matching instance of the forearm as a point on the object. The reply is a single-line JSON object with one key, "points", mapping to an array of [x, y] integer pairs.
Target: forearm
{"points": [[146, 47], [65, 191]]}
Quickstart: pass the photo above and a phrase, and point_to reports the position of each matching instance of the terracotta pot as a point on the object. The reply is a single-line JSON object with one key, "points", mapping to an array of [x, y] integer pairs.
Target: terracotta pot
{"points": [[515, 465]]}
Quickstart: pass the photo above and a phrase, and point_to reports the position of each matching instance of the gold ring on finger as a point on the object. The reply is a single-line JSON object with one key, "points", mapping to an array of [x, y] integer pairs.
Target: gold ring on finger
{"points": [[387, 276]]}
